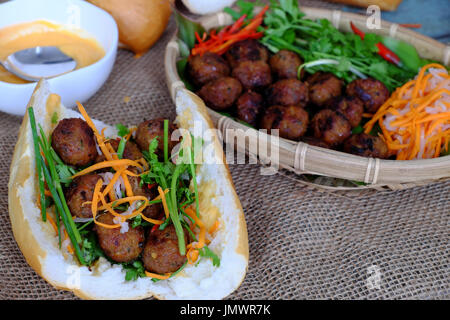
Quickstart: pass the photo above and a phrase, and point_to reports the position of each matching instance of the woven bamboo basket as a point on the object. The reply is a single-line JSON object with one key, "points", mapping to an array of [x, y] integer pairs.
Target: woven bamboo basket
{"points": [[319, 167]]}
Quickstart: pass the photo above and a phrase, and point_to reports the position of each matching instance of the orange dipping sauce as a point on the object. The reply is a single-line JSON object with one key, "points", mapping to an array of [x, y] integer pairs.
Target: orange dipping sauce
{"points": [[74, 43]]}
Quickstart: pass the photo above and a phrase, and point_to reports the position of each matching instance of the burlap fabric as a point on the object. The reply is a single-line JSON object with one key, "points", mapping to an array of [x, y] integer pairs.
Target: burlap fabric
{"points": [[304, 243]]}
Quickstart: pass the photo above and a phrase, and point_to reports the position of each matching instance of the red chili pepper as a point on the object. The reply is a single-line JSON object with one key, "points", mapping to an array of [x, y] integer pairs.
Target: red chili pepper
{"points": [[388, 55], [411, 25], [198, 37], [153, 229], [357, 31], [262, 12], [220, 42], [383, 51], [235, 27], [150, 186]]}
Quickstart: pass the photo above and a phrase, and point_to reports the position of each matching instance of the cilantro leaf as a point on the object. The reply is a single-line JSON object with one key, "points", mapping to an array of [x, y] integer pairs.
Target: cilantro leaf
{"points": [[122, 130], [134, 270], [65, 173], [90, 248], [206, 252]]}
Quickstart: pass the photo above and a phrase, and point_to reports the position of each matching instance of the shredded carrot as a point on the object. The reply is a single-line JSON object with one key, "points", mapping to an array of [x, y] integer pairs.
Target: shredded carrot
{"points": [[143, 162], [95, 199], [126, 182], [193, 248], [128, 136], [132, 174], [69, 246], [202, 235], [107, 164], [125, 200], [163, 198], [192, 255], [52, 222], [415, 120], [158, 276], [110, 186], [108, 207], [214, 227], [154, 221]]}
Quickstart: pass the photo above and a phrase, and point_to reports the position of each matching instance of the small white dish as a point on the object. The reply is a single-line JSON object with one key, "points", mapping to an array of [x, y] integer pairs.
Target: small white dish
{"points": [[78, 85]]}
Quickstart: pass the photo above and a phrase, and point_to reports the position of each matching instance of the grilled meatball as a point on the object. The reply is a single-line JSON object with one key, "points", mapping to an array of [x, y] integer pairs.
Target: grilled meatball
{"points": [[150, 129], [285, 63], [73, 140], [373, 93], [161, 253], [292, 121], [351, 107], [365, 145], [253, 74], [324, 86], [249, 106], [120, 247], [131, 150], [331, 127], [246, 50], [288, 92], [80, 191], [315, 142], [207, 67], [220, 94]]}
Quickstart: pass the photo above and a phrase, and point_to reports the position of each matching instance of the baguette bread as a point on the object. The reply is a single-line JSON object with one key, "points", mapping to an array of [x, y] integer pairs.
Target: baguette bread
{"points": [[387, 5], [39, 244]]}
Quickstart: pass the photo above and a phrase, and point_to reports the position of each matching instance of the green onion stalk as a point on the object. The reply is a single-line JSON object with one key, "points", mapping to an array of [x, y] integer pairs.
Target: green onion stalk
{"points": [[54, 185], [194, 180], [121, 147], [174, 212], [39, 164]]}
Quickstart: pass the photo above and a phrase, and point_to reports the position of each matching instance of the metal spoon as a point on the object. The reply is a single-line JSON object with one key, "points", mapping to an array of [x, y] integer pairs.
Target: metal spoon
{"points": [[39, 62]]}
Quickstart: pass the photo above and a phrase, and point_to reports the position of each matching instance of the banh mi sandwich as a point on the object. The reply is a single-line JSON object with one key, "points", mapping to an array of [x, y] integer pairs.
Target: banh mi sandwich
{"points": [[111, 212]]}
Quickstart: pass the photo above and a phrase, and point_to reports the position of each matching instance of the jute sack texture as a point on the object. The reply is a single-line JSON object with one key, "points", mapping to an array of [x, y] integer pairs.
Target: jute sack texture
{"points": [[305, 243]]}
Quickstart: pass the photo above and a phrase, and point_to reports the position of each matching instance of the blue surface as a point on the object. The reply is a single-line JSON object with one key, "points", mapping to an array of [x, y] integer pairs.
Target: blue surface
{"points": [[433, 15]]}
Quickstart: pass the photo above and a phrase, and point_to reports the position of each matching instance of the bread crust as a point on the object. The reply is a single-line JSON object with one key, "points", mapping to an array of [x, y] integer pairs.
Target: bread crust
{"points": [[387, 5], [38, 243]]}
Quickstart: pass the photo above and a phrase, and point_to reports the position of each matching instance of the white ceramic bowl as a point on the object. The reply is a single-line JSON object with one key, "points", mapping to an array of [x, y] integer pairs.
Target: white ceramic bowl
{"points": [[78, 85]]}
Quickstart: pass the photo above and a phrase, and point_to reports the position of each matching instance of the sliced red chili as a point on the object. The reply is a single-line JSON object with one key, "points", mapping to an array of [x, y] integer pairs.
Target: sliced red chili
{"points": [[383, 51]]}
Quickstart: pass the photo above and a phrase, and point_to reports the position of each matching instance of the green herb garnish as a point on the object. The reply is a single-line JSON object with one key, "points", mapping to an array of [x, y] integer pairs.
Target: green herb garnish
{"points": [[121, 147], [54, 118], [122, 130], [343, 54], [134, 270], [206, 252]]}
